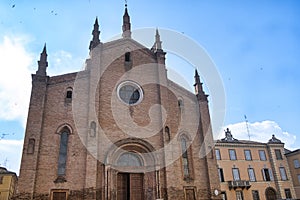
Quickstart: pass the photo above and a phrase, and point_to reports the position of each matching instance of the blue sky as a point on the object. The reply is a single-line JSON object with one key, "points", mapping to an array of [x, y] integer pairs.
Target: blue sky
{"points": [[254, 45]]}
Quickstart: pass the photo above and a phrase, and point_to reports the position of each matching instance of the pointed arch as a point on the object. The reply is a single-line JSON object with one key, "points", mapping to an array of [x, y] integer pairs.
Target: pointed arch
{"points": [[167, 134], [185, 135], [93, 129], [69, 92], [138, 150], [64, 131], [31, 146], [180, 103], [127, 57], [65, 127], [186, 155]]}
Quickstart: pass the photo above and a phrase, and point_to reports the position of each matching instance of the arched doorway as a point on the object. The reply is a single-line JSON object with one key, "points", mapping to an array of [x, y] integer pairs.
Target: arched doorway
{"points": [[270, 193], [130, 185], [130, 170]]}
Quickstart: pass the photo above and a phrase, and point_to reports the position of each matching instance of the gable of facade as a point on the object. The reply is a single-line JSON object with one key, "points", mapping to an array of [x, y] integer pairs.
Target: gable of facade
{"points": [[119, 129]]}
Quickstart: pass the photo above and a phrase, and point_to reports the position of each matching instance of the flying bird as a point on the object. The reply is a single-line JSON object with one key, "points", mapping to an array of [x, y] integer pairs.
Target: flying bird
{"points": [[3, 135]]}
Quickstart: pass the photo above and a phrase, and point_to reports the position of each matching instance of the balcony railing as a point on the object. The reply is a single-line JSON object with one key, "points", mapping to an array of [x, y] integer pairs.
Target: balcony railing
{"points": [[239, 184]]}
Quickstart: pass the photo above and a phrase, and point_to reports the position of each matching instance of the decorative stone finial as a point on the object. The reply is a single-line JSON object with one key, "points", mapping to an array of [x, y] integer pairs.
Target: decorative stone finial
{"points": [[96, 35], [198, 88], [126, 24], [228, 136], [157, 41], [274, 140], [42, 63]]}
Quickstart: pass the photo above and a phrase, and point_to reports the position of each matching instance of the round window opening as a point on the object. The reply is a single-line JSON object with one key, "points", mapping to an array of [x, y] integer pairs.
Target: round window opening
{"points": [[130, 93]]}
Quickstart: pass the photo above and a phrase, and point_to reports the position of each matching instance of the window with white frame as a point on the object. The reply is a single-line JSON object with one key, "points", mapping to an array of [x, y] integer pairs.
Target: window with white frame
{"points": [[267, 174], [262, 155], [247, 154], [218, 154], [239, 195], [251, 174], [236, 174], [221, 174], [282, 173], [255, 194], [296, 163], [288, 194], [232, 154], [278, 154], [223, 194]]}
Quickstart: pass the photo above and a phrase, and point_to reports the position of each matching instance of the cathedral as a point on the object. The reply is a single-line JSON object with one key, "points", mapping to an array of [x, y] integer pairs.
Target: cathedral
{"points": [[117, 130]]}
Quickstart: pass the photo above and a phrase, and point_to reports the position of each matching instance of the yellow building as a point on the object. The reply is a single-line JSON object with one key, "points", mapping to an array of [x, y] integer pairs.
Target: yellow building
{"points": [[293, 158], [8, 181], [253, 170]]}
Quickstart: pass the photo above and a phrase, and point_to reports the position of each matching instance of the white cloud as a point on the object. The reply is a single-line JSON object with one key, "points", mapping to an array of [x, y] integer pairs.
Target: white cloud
{"points": [[261, 132], [16, 67], [62, 62], [15, 79], [10, 154]]}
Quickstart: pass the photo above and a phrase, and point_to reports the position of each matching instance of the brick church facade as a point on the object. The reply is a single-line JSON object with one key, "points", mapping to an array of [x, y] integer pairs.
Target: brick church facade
{"points": [[117, 130]]}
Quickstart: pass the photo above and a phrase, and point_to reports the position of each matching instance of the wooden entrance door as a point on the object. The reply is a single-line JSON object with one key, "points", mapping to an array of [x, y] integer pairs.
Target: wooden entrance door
{"points": [[270, 194], [130, 186], [123, 186], [136, 187]]}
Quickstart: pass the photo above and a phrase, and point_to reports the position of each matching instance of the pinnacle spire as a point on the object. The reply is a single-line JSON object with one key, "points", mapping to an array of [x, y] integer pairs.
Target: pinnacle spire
{"points": [[44, 52], [95, 41], [42, 63], [157, 49], [198, 87], [157, 40], [197, 77], [126, 24]]}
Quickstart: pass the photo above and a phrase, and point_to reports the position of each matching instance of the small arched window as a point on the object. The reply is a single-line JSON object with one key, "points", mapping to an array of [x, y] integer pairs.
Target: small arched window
{"points": [[180, 104], [63, 150], [30, 147], [127, 57], [167, 134], [93, 129], [127, 63], [69, 94]]}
